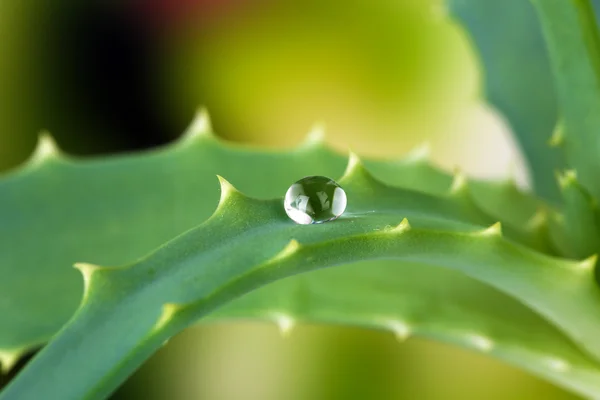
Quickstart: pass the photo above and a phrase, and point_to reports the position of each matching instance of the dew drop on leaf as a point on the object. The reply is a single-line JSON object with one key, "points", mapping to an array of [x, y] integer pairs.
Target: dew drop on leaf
{"points": [[314, 200]]}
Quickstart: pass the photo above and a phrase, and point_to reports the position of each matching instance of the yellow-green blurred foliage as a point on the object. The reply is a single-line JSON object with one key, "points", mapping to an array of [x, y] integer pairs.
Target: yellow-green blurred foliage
{"points": [[383, 76]]}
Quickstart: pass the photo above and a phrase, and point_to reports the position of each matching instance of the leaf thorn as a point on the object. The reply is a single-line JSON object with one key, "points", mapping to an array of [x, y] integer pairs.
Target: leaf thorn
{"points": [[403, 226], [8, 359], [168, 312], [284, 322], [46, 148], [87, 270], [290, 249], [491, 231], [589, 263], [200, 127], [418, 154], [481, 342], [400, 329], [459, 183], [315, 136], [558, 364]]}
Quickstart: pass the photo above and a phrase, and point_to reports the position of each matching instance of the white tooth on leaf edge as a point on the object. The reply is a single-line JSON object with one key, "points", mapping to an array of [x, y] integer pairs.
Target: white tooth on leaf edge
{"points": [[557, 364], [46, 147], [227, 189], [167, 314], [200, 127], [401, 227], [284, 322], [481, 342], [291, 248], [400, 329], [315, 136], [589, 263], [8, 359], [354, 164], [420, 153], [87, 270], [459, 182], [494, 230]]}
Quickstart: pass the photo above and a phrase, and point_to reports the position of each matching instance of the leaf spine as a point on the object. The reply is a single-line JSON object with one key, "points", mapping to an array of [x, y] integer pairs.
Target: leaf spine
{"points": [[400, 329], [168, 312], [227, 190], [284, 322], [200, 127], [45, 149], [557, 364], [8, 359], [492, 231], [481, 342], [290, 249], [537, 220], [87, 270], [419, 154], [459, 183], [403, 226], [354, 167], [315, 137], [558, 136], [589, 264], [567, 179]]}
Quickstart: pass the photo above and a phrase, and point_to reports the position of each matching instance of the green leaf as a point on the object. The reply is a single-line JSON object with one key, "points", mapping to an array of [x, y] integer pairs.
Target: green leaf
{"points": [[248, 243], [112, 211], [573, 43], [575, 232], [116, 210], [518, 79]]}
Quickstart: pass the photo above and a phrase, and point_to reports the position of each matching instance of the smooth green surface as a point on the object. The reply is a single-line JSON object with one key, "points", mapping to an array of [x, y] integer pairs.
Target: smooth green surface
{"points": [[110, 210], [517, 79]]}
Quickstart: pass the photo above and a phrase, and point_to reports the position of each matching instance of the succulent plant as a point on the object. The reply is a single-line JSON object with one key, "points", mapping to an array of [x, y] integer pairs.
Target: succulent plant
{"points": [[482, 264]]}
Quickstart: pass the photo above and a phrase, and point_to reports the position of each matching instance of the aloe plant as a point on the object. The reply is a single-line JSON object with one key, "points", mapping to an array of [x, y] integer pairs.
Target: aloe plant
{"points": [[161, 243]]}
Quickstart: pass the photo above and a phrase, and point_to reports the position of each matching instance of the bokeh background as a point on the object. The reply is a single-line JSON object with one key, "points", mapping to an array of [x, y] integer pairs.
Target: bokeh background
{"points": [[382, 76]]}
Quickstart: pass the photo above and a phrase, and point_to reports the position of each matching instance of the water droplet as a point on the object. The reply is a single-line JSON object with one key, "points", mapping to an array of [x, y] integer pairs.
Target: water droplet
{"points": [[314, 200]]}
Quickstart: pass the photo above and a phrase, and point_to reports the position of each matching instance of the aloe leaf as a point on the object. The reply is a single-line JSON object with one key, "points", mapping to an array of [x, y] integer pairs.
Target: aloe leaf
{"points": [[517, 78], [116, 210], [128, 312], [572, 39]]}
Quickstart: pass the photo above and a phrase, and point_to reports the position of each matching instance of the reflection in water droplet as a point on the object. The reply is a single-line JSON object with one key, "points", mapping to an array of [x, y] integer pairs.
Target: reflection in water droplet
{"points": [[314, 200]]}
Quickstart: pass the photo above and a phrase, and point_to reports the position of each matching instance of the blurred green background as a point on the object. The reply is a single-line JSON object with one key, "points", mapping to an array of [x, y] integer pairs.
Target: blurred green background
{"points": [[383, 76]]}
